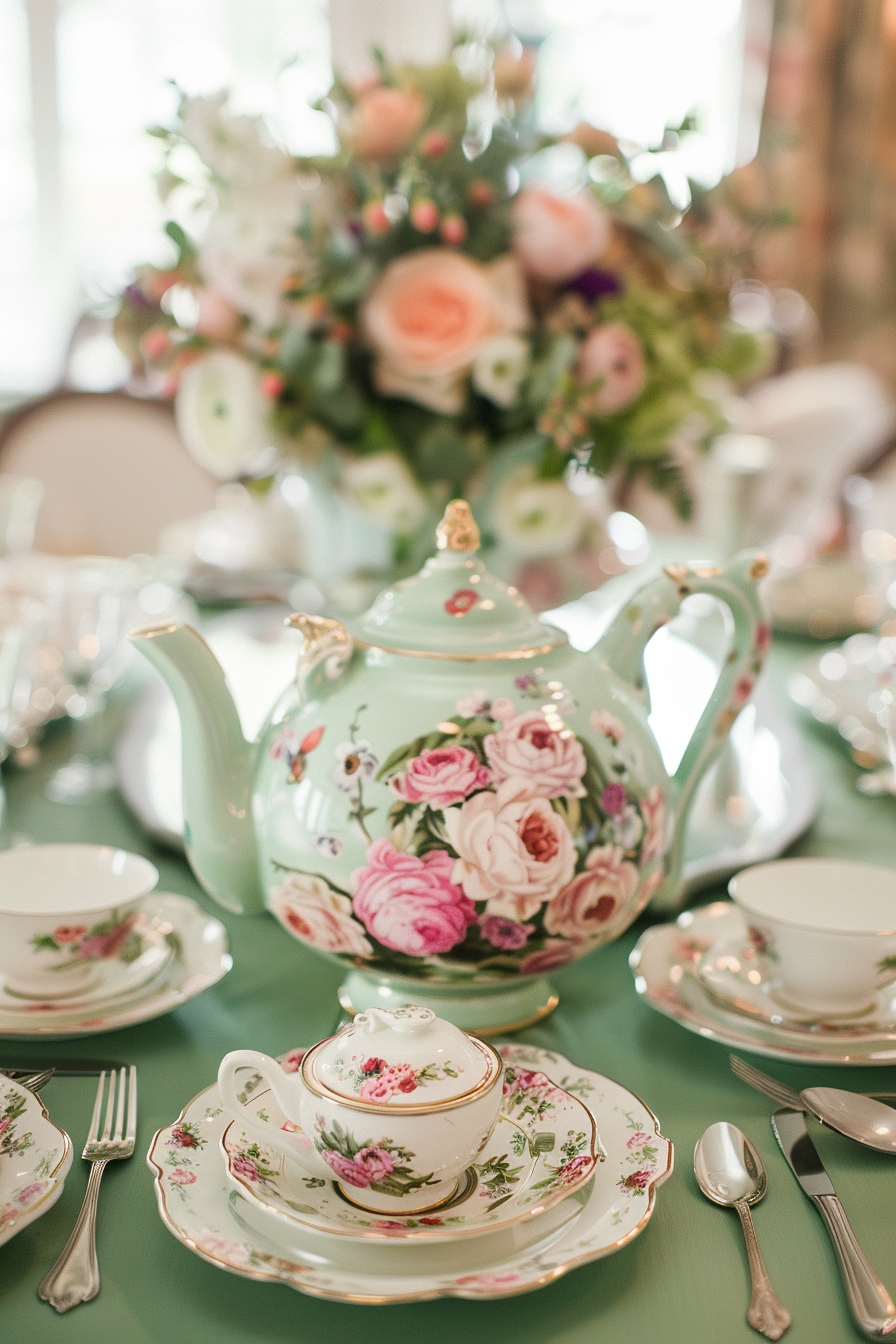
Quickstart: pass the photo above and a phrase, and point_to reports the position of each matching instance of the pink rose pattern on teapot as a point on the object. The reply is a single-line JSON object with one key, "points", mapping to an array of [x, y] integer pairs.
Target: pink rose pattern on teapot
{"points": [[513, 846]]}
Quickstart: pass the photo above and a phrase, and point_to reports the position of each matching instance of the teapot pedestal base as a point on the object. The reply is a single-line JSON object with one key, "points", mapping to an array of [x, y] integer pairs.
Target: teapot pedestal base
{"points": [[507, 1008]]}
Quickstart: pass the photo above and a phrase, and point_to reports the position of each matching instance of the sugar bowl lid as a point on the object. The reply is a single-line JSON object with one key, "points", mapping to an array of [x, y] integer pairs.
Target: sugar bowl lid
{"points": [[406, 1058], [454, 608]]}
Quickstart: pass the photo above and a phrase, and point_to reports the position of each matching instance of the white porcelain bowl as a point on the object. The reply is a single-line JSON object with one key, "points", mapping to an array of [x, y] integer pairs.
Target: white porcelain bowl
{"points": [[825, 930], [65, 912]]}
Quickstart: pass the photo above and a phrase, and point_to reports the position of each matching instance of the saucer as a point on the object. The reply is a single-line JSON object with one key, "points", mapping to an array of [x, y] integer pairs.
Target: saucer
{"points": [[120, 979], [197, 958], [35, 1157], [202, 1211], [665, 963], [733, 975], [543, 1147]]}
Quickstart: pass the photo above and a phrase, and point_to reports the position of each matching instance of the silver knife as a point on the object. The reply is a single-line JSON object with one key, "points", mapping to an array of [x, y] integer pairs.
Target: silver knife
{"points": [[870, 1303]]}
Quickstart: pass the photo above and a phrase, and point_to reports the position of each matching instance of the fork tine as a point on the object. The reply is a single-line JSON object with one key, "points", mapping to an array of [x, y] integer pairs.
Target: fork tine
{"points": [[110, 1106], [94, 1132], [132, 1104], [763, 1082], [119, 1114]]}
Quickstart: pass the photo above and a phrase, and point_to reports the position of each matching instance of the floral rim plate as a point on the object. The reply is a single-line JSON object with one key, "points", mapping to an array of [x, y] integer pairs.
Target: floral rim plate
{"points": [[199, 959], [732, 974], [598, 1218], [35, 1157], [122, 980], [664, 963], [544, 1147]]}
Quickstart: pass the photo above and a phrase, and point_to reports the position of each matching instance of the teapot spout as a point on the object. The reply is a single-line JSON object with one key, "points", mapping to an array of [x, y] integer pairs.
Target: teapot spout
{"points": [[219, 830]]}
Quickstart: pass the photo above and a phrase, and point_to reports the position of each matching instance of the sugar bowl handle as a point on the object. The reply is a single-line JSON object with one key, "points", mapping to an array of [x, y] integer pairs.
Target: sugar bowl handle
{"points": [[235, 1098]]}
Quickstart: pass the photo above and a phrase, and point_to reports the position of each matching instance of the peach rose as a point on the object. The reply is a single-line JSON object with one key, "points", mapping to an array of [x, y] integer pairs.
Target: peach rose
{"points": [[604, 890], [319, 916], [384, 122], [428, 316], [613, 354], [515, 852], [557, 237], [540, 759]]}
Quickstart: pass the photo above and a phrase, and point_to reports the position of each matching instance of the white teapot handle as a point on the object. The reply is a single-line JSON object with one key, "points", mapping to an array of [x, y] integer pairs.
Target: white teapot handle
{"points": [[293, 1144]]}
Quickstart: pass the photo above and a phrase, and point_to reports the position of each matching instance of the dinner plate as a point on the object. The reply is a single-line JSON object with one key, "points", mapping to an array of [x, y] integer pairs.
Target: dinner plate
{"points": [[753, 803], [543, 1147], [665, 961], [35, 1157], [212, 1219], [199, 957]]}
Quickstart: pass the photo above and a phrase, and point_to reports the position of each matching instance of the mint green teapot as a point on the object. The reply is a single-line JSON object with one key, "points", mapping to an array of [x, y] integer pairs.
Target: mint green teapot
{"points": [[450, 800]]}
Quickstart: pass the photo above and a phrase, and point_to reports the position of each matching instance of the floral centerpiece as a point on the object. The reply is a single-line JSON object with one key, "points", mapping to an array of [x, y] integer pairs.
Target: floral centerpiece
{"points": [[452, 303]]}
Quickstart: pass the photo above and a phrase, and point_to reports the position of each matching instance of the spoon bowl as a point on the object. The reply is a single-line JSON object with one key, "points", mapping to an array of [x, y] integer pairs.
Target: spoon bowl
{"points": [[858, 1117]]}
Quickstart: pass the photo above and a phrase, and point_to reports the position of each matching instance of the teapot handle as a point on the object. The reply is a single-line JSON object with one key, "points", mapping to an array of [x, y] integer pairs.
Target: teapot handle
{"points": [[653, 606], [288, 1143]]}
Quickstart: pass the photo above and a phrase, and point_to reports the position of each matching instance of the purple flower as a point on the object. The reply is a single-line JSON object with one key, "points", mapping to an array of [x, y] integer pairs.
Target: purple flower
{"points": [[505, 933], [594, 284], [613, 799]]}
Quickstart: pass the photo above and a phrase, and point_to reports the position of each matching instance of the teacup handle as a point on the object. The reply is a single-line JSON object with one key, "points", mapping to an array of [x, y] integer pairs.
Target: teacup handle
{"points": [[294, 1146], [653, 606]]}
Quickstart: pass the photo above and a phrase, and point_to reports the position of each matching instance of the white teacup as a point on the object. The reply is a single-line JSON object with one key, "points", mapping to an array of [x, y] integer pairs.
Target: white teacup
{"points": [[65, 912], [825, 930]]}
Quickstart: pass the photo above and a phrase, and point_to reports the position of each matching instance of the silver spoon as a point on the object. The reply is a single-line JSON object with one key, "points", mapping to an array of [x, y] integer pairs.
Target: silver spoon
{"points": [[729, 1171], [862, 1118]]}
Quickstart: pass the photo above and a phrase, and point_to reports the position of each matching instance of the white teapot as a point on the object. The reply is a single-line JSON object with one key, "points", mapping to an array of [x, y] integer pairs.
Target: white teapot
{"points": [[395, 1107]]}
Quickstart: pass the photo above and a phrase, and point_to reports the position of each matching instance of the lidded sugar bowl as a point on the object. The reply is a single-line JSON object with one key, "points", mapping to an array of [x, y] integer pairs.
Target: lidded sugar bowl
{"points": [[395, 1108]]}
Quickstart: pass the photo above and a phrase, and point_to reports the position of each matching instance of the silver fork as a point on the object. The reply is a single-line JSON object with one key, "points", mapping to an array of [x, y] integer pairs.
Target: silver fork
{"points": [[771, 1087], [75, 1277]]}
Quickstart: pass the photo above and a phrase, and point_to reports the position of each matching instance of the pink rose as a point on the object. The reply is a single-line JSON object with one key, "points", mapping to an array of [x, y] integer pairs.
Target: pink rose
{"points": [[426, 319], [380, 1087], [575, 1169], [217, 318], [32, 1191], [319, 916], [604, 889], [505, 933], [653, 810], [384, 122], [557, 237], [612, 354], [373, 1065], [290, 1062], [411, 904], [366, 1168], [404, 1076], [613, 799], [514, 851], [638, 1140], [69, 933], [548, 761], [105, 945], [441, 777], [244, 1166], [608, 724], [5, 1124], [181, 1177]]}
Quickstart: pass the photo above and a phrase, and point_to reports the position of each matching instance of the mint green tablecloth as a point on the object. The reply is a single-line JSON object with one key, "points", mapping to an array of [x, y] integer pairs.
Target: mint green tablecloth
{"points": [[683, 1280]]}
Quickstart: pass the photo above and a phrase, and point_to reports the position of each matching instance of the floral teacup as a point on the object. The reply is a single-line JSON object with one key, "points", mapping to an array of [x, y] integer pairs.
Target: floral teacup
{"points": [[65, 912], [825, 930], [395, 1107]]}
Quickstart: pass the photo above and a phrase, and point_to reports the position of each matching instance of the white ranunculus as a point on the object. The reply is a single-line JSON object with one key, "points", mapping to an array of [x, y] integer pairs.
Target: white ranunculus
{"points": [[499, 367], [382, 487], [222, 416], [536, 518]]}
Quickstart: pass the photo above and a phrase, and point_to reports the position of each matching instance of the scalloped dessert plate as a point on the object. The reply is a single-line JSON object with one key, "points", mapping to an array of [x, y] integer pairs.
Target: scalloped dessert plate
{"points": [[35, 1157], [214, 1220], [197, 958], [120, 979], [665, 964], [544, 1147]]}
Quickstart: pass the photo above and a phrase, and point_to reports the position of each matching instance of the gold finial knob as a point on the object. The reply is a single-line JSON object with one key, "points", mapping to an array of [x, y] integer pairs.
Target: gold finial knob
{"points": [[458, 531]]}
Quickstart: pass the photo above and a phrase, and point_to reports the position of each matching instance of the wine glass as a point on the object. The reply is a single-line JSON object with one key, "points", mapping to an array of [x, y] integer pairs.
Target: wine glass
{"points": [[91, 601], [22, 621]]}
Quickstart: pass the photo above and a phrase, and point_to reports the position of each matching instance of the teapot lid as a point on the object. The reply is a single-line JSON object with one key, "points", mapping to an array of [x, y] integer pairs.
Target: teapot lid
{"points": [[454, 607], [404, 1058]]}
